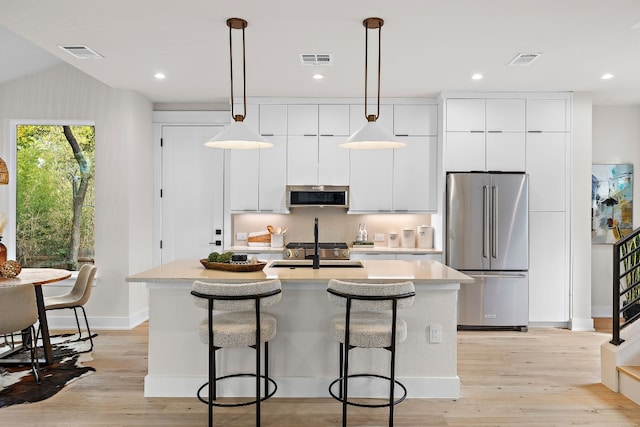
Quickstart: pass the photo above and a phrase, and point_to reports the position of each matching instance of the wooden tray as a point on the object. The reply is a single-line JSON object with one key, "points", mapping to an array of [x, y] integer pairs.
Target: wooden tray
{"points": [[241, 268]]}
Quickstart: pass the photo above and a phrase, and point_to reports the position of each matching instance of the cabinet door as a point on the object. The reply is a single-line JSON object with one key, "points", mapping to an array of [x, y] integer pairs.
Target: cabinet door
{"points": [[372, 256], [548, 278], [302, 120], [371, 180], [546, 115], [244, 170], [333, 161], [333, 120], [546, 165], [273, 176], [419, 257], [465, 151], [465, 115], [415, 174], [273, 119], [415, 120], [358, 119], [505, 115], [302, 160], [505, 152]]}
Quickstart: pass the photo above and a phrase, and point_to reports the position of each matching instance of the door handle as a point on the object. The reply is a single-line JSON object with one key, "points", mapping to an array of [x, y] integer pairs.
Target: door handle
{"points": [[485, 221], [494, 221]]}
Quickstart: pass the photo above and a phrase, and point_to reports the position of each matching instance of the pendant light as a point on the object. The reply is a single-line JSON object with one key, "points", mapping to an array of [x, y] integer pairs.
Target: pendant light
{"points": [[238, 135], [371, 135]]}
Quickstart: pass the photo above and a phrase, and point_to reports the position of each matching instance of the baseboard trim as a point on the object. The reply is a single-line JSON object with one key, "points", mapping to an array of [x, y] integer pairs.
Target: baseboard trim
{"points": [[582, 325], [65, 320]]}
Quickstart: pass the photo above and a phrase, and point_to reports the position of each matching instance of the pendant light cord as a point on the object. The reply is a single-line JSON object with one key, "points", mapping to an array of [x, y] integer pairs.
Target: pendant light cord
{"points": [[372, 23], [238, 24]]}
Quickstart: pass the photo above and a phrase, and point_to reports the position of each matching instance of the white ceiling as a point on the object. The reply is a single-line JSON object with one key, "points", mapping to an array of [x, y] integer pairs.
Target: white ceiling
{"points": [[428, 46]]}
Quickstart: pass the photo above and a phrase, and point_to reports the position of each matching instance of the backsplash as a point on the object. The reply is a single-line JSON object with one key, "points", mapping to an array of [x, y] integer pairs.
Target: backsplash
{"points": [[334, 225]]}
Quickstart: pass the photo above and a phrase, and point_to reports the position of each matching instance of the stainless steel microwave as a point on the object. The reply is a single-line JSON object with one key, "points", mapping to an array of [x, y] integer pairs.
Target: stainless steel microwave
{"points": [[318, 196]]}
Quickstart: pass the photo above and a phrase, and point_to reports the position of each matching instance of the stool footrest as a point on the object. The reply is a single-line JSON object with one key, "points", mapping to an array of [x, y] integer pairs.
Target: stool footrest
{"points": [[233, 405], [368, 405]]}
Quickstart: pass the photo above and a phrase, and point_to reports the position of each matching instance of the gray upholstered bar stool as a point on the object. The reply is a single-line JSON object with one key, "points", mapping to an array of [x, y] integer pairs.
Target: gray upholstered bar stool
{"points": [[370, 321], [236, 325]]}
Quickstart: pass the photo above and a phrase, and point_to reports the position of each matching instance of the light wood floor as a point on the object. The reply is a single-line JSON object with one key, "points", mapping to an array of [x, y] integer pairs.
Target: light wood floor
{"points": [[544, 377]]}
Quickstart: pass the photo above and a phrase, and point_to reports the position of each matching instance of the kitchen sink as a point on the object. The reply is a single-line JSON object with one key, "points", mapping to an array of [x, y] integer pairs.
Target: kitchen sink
{"points": [[307, 263]]}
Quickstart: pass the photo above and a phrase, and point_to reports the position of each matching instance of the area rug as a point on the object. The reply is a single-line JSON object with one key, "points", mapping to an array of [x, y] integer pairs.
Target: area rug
{"points": [[17, 384]]}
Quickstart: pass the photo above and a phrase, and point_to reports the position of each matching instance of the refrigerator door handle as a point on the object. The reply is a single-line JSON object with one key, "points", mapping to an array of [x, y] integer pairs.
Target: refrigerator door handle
{"points": [[485, 221], [494, 221]]}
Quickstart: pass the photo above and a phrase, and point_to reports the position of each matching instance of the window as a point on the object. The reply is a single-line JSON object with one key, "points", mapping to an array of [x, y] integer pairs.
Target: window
{"points": [[54, 195]]}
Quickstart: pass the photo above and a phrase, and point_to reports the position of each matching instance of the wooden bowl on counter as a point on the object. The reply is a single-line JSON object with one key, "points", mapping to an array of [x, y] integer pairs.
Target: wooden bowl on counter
{"points": [[240, 268]]}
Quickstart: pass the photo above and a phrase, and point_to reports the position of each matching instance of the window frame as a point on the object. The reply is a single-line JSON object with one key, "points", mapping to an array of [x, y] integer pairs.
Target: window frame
{"points": [[9, 237]]}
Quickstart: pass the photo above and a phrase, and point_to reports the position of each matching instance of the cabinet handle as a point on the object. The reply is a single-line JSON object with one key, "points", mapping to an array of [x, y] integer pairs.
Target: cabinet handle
{"points": [[495, 131], [476, 131], [534, 131], [266, 134], [402, 134], [327, 134], [310, 134], [266, 210], [402, 210]]}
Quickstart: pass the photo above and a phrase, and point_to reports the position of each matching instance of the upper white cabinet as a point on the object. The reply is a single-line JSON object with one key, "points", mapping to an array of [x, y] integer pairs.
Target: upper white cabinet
{"points": [[257, 178], [415, 120], [357, 117], [415, 172], [547, 115], [547, 169], [371, 180], [302, 120], [485, 135], [333, 120], [333, 161]]}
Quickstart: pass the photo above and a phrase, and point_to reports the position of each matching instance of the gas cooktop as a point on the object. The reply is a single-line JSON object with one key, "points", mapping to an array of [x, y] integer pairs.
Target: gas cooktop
{"points": [[326, 250]]}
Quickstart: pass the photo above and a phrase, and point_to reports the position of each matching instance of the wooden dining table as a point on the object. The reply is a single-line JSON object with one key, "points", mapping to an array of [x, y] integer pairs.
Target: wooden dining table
{"points": [[38, 277]]}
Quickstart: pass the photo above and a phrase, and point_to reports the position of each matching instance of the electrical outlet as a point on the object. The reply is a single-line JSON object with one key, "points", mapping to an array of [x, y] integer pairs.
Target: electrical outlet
{"points": [[241, 236], [435, 333], [378, 237]]}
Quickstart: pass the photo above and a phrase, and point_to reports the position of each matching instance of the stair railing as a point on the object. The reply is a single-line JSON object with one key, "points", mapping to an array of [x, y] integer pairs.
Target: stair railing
{"points": [[626, 283]]}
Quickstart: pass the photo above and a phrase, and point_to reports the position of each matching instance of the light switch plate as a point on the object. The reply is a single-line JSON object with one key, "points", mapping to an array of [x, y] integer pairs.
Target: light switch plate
{"points": [[241, 236], [378, 237], [435, 333]]}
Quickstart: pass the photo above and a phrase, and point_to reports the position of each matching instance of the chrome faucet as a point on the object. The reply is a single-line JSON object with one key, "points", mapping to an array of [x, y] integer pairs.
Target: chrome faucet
{"points": [[316, 254]]}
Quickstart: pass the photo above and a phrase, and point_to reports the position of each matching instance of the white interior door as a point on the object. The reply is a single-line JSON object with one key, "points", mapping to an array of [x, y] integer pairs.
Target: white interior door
{"points": [[192, 193]]}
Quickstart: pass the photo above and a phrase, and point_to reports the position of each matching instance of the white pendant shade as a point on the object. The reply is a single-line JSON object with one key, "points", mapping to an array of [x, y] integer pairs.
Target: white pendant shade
{"points": [[238, 136], [371, 136]]}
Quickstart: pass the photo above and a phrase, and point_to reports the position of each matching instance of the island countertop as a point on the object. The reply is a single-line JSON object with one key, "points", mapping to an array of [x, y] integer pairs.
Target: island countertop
{"points": [[422, 271]]}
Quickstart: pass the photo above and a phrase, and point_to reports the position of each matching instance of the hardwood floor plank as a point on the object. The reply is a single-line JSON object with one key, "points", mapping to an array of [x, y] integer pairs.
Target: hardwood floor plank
{"points": [[544, 377]]}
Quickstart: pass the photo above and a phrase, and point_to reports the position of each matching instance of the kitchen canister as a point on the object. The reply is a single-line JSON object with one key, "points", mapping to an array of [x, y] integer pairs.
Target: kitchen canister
{"points": [[394, 241], [425, 237], [277, 240], [408, 238]]}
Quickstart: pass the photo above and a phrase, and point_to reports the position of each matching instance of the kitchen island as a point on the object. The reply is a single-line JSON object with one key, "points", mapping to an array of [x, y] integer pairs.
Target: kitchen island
{"points": [[303, 356]]}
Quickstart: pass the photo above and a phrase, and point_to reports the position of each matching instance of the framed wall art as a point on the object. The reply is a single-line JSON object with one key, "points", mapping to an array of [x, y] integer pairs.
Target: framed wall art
{"points": [[611, 202]]}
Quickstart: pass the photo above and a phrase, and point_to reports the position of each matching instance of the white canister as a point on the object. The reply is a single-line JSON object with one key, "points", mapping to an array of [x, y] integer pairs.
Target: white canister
{"points": [[277, 240], [408, 238], [425, 237], [393, 240]]}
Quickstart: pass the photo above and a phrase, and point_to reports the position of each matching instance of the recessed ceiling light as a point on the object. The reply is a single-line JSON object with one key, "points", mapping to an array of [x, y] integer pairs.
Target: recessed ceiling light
{"points": [[607, 76], [477, 76], [159, 76], [318, 76]]}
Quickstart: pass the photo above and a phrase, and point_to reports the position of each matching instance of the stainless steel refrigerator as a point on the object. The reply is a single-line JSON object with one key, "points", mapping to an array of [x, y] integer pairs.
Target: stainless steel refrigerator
{"points": [[487, 238]]}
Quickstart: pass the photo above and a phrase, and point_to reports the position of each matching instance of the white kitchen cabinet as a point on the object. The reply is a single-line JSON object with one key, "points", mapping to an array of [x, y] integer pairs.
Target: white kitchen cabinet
{"points": [[419, 257], [505, 152], [372, 256], [547, 168], [302, 163], [302, 120], [415, 120], [364, 256], [546, 115], [415, 174], [273, 119], [485, 135], [465, 115], [272, 177], [548, 268], [371, 180], [244, 173], [333, 161], [333, 120]]}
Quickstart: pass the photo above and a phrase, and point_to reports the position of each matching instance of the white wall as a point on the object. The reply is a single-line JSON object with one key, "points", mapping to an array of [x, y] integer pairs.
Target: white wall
{"points": [[123, 181], [616, 139]]}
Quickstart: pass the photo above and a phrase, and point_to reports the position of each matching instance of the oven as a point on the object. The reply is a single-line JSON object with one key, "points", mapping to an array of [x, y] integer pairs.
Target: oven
{"points": [[328, 250]]}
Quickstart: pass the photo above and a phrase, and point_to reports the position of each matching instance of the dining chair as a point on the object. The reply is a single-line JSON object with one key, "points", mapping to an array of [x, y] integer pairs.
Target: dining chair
{"points": [[19, 314], [76, 298]]}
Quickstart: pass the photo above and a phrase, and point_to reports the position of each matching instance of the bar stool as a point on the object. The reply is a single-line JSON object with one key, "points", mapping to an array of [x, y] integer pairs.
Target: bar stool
{"points": [[370, 321], [241, 323]]}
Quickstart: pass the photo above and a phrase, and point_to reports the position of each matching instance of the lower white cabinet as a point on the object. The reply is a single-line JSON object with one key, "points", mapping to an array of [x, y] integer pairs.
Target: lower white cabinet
{"points": [[548, 267], [395, 256]]}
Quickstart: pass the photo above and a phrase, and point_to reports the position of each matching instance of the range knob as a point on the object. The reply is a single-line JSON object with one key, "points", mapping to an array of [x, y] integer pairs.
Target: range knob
{"points": [[336, 252]]}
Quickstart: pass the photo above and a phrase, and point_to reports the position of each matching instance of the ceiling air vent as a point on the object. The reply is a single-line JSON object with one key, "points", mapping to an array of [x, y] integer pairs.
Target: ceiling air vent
{"points": [[316, 59], [81, 51], [524, 58]]}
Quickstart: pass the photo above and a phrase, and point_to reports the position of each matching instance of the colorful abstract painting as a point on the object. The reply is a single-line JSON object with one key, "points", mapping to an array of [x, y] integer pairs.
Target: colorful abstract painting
{"points": [[611, 202]]}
